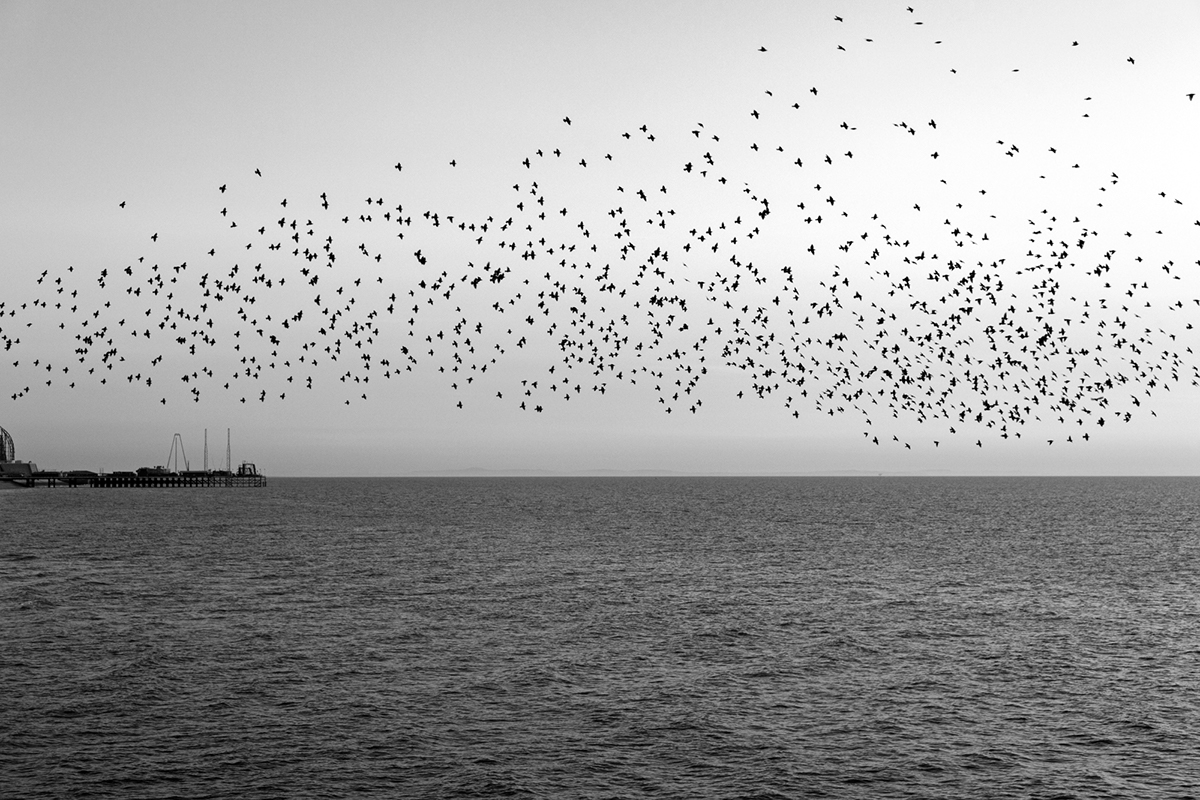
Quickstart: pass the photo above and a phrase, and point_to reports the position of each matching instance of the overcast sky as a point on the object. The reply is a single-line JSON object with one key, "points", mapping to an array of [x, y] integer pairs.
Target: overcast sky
{"points": [[1034, 163]]}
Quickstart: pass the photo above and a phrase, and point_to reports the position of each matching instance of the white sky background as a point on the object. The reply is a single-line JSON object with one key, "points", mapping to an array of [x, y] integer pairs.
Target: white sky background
{"points": [[157, 105]]}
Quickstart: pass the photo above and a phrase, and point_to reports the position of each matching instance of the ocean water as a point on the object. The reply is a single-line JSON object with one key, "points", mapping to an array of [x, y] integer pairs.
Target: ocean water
{"points": [[603, 638]]}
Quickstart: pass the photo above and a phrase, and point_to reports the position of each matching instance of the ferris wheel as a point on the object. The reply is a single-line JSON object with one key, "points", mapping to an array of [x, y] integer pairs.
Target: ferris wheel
{"points": [[8, 451]]}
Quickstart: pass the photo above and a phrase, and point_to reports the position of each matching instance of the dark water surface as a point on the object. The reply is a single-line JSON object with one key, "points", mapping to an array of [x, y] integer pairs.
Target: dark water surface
{"points": [[599, 638]]}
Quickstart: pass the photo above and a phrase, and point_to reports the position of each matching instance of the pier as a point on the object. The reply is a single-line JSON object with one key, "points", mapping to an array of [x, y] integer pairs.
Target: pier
{"points": [[26, 475], [249, 479]]}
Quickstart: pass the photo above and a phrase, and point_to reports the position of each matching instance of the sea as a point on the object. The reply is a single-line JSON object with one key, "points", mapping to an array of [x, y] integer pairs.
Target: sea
{"points": [[616, 637]]}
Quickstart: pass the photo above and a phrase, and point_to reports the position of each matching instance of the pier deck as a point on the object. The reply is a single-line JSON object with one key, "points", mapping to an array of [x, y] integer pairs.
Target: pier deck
{"points": [[135, 481]]}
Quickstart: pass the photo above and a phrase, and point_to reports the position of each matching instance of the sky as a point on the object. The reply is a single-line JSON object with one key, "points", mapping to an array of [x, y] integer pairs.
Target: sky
{"points": [[699, 237]]}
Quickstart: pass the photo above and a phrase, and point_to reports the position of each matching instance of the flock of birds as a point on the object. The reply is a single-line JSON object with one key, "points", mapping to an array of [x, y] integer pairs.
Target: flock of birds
{"points": [[736, 264]]}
